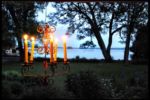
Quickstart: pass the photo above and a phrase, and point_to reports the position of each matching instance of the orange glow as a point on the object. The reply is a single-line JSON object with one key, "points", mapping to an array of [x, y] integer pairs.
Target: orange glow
{"points": [[32, 49], [25, 36], [56, 40], [45, 41], [51, 50], [55, 49], [26, 48], [32, 38], [51, 36], [64, 38], [65, 48]]}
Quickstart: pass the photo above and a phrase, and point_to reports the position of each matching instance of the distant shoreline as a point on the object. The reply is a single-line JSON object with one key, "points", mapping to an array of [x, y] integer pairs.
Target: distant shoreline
{"points": [[90, 48]]}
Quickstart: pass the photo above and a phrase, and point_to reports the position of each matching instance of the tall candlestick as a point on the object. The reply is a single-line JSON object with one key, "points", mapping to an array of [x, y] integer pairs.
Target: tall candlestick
{"points": [[55, 50], [65, 49], [26, 48], [51, 49], [32, 49]]}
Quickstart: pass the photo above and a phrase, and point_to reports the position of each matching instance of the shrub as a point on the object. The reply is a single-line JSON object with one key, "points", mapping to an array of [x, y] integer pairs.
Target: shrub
{"points": [[136, 93], [42, 92], [12, 89], [85, 85], [6, 90], [17, 88], [11, 75]]}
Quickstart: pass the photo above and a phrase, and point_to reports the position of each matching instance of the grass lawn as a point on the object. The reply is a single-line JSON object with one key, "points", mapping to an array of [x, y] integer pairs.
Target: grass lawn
{"points": [[105, 70]]}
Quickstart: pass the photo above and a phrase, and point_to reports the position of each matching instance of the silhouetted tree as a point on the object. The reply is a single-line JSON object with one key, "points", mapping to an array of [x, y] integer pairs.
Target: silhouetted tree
{"points": [[22, 18], [8, 39], [114, 20], [140, 45], [90, 19], [136, 14]]}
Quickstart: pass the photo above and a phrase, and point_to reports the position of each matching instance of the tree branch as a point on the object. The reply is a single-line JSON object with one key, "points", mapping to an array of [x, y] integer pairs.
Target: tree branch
{"points": [[118, 29]]}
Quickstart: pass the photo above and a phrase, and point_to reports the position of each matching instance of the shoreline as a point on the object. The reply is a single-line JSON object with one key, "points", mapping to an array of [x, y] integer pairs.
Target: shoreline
{"points": [[6, 59]]}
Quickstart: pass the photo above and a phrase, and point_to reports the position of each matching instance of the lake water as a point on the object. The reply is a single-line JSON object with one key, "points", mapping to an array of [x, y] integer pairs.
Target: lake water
{"points": [[86, 53]]}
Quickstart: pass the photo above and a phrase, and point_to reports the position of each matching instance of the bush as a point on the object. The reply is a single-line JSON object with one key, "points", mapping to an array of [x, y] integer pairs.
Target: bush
{"points": [[17, 88], [6, 90], [42, 92], [85, 85], [136, 93], [12, 89], [132, 89], [11, 75]]}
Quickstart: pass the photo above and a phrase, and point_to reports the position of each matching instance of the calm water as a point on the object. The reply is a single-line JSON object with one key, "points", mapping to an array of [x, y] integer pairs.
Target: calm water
{"points": [[86, 53]]}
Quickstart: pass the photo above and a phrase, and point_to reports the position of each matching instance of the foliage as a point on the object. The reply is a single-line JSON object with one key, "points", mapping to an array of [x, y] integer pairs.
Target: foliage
{"points": [[7, 38], [20, 19], [37, 92], [85, 19], [133, 86], [6, 90], [11, 75], [12, 89], [135, 16], [85, 85], [140, 45], [94, 18], [88, 44], [16, 89]]}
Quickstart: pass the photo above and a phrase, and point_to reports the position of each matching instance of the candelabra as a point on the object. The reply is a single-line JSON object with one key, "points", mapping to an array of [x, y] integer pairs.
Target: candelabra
{"points": [[47, 32]]}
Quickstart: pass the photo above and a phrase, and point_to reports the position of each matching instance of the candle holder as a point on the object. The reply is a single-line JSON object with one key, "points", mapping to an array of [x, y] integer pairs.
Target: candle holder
{"points": [[48, 39], [66, 66], [26, 67]]}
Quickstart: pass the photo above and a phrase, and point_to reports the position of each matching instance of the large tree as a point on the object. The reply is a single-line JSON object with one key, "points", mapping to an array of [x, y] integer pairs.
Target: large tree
{"points": [[91, 19], [114, 20], [136, 14], [140, 45], [8, 39], [22, 17]]}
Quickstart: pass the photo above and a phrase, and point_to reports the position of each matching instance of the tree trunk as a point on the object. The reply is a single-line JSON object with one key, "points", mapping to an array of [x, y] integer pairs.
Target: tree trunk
{"points": [[17, 30], [21, 51], [107, 55], [110, 34], [109, 43], [126, 52]]}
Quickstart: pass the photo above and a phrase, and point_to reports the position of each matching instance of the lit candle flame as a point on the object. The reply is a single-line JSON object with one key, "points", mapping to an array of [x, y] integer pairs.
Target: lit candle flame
{"points": [[64, 38], [25, 36], [32, 38]]}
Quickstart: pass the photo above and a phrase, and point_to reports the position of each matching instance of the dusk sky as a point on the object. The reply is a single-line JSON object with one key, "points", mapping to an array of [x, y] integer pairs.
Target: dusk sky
{"points": [[72, 40]]}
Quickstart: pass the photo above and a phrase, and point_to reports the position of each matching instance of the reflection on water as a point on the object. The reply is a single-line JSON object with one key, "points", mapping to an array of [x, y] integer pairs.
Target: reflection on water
{"points": [[86, 53]]}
